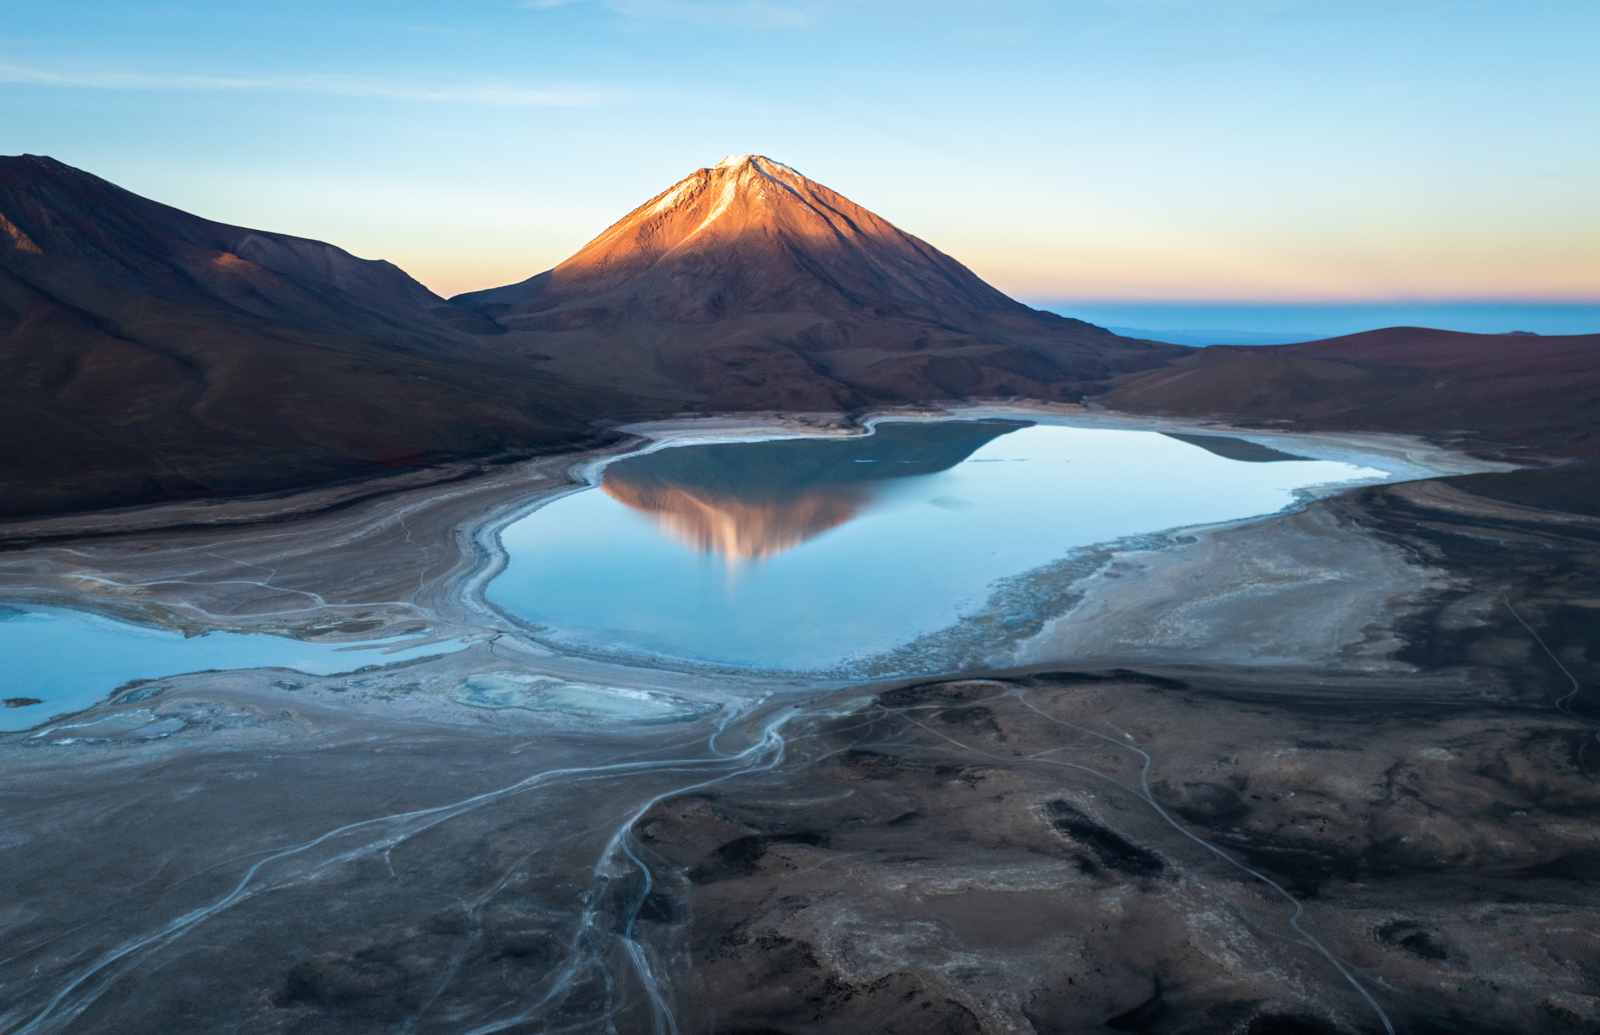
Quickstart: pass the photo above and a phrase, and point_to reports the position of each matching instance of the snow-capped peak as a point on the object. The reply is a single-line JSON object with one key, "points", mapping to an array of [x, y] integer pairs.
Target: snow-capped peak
{"points": [[761, 163]]}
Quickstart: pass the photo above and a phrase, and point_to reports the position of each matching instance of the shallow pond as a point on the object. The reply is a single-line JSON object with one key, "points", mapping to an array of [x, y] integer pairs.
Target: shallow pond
{"points": [[824, 554], [64, 661]]}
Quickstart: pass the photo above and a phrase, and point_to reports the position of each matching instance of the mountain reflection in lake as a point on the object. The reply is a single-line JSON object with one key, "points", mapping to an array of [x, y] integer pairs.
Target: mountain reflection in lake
{"points": [[810, 554], [745, 504]]}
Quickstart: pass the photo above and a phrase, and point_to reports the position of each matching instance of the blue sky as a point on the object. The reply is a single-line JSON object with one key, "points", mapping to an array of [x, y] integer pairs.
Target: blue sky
{"points": [[1127, 151]]}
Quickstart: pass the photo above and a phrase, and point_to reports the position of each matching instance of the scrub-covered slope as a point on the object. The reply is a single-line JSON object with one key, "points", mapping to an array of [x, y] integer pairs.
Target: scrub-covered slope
{"points": [[748, 286], [147, 353]]}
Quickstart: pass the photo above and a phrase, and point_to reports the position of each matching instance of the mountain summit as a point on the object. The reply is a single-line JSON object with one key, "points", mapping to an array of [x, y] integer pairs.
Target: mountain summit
{"points": [[747, 285], [751, 235]]}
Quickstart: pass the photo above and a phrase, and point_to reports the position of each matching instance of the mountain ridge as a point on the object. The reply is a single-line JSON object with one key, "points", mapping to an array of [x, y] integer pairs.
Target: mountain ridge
{"points": [[149, 354], [74, 220]]}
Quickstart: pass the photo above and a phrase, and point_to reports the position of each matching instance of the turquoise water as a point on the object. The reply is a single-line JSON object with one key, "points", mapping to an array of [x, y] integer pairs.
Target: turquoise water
{"points": [[70, 660], [809, 554]]}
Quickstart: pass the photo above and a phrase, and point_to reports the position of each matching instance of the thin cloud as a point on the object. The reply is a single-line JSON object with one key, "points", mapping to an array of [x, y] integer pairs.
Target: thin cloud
{"points": [[499, 95], [748, 14]]}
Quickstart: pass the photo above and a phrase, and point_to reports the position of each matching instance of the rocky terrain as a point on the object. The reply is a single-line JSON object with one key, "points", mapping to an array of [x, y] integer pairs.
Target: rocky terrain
{"points": [[1065, 850], [1272, 827]]}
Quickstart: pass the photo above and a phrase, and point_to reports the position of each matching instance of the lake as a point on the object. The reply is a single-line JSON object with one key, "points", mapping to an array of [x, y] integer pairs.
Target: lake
{"points": [[829, 554], [69, 660], [812, 554]]}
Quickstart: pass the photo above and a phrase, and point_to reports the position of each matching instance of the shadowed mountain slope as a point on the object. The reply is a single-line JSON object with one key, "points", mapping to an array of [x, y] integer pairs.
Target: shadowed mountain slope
{"points": [[1526, 391], [90, 243], [146, 353], [749, 286]]}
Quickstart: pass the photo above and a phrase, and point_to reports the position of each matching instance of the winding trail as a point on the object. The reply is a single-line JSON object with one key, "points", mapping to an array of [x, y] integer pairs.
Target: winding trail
{"points": [[98, 977], [1564, 702], [1143, 793]]}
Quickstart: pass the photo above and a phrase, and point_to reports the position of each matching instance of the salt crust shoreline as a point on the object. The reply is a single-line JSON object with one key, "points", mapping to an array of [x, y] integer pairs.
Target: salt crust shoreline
{"points": [[1135, 602], [1421, 459]]}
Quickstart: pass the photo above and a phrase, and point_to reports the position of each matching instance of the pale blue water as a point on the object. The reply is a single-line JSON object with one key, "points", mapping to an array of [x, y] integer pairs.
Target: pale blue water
{"points": [[921, 551], [71, 660], [832, 551]]}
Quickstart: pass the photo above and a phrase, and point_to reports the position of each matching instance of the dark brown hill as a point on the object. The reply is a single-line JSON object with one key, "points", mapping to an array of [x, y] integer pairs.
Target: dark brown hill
{"points": [[749, 286], [88, 242], [1502, 390], [146, 353]]}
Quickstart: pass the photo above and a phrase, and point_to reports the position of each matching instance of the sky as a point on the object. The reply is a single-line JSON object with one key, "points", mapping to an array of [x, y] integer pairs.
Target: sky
{"points": [[1139, 156]]}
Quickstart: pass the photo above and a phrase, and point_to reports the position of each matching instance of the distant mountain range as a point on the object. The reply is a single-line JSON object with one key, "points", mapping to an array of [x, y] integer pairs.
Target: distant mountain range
{"points": [[1517, 391], [148, 354]]}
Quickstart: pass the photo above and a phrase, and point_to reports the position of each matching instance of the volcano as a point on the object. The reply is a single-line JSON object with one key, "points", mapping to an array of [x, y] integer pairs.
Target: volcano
{"points": [[748, 286]]}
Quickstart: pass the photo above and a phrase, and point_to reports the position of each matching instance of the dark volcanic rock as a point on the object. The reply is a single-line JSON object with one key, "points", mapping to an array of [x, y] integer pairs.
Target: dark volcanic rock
{"points": [[741, 856], [1110, 848]]}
